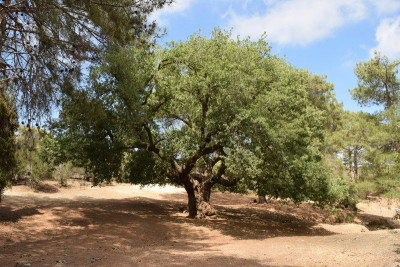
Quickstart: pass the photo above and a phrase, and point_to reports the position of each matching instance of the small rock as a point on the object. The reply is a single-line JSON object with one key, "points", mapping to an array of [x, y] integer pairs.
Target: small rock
{"points": [[94, 259], [183, 209]]}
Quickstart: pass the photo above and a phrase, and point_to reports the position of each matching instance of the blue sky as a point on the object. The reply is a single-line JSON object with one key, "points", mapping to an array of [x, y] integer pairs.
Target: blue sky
{"points": [[324, 36]]}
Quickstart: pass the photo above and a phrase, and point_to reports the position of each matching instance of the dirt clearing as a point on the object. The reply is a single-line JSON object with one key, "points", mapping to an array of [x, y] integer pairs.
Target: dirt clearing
{"points": [[123, 225]]}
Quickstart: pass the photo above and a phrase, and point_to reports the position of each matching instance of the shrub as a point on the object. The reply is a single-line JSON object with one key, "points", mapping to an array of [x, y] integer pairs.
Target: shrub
{"points": [[363, 189], [386, 184], [62, 172]]}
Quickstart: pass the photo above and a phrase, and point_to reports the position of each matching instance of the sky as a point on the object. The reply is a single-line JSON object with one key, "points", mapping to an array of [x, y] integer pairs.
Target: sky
{"points": [[327, 37]]}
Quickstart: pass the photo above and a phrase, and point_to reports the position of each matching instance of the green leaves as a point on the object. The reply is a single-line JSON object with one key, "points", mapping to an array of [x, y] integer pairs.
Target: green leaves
{"points": [[8, 127], [217, 109], [378, 82]]}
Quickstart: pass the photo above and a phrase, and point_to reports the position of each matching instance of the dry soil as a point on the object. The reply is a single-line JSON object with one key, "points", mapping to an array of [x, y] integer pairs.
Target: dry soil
{"points": [[124, 225]]}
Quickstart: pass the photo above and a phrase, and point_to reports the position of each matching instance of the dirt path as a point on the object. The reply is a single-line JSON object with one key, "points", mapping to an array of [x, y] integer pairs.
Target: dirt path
{"points": [[123, 225]]}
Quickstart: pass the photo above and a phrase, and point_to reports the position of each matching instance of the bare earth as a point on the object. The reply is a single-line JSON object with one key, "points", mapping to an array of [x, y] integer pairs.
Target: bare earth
{"points": [[123, 225]]}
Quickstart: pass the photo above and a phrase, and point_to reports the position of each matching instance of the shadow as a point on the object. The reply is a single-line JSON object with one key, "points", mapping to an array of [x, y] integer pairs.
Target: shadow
{"points": [[107, 232], [240, 218], [46, 188], [397, 250], [140, 231], [7, 214], [247, 223], [374, 222]]}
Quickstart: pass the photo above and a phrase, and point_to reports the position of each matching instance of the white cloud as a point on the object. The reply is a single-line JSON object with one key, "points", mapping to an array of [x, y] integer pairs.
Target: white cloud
{"points": [[388, 38], [386, 6], [177, 7], [299, 21]]}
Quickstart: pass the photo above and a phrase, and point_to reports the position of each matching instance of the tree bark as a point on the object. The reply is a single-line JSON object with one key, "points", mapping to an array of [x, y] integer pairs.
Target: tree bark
{"points": [[351, 164], [192, 203], [199, 194], [261, 200], [3, 23], [356, 161], [203, 194]]}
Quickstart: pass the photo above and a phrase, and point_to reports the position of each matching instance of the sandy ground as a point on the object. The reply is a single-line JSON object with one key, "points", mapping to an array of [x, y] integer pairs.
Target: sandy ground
{"points": [[124, 225]]}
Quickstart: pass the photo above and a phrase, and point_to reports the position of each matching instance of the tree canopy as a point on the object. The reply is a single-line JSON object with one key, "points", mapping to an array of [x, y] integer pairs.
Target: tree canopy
{"points": [[43, 43], [204, 112], [378, 82]]}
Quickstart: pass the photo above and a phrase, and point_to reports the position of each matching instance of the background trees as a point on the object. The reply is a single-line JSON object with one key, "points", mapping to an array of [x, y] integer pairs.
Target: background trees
{"points": [[378, 83], [368, 144]]}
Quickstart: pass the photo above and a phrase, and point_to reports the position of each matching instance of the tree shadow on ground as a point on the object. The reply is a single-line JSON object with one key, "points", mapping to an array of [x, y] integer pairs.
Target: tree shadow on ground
{"points": [[239, 218], [397, 250], [46, 188], [140, 231], [8, 214], [375, 222], [109, 233], [247, 223]]}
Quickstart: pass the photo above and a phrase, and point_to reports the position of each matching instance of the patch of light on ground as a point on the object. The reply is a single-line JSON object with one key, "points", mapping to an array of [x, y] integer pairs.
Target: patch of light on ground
{"points": [[160, 188]]}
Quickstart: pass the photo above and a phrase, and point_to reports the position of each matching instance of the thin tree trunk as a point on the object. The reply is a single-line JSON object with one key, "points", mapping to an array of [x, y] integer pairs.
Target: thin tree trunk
{"points": [[206, 191], [351, 164], [261, 200], [356, 161], [3, 23]]}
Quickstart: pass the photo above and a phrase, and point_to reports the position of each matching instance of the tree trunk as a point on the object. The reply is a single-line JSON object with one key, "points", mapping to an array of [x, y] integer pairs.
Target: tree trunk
{"points": [[356, 162], [192, 205], [203, 194], [261, 200], [351, 164], [199, 198]]}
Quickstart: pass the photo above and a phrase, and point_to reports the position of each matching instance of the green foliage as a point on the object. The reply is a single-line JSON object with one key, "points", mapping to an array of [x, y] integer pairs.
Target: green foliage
{"points": [[364, 189], [356, 141], [378, 82], [383, 186], [30, 162], [388, 185], [55, 39], [143, 167], [63, 172], [8, 126], [209, 109], [370, 144]]}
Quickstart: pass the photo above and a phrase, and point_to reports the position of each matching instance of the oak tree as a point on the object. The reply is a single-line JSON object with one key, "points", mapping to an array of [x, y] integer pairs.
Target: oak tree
{"points": [[200, 113]]}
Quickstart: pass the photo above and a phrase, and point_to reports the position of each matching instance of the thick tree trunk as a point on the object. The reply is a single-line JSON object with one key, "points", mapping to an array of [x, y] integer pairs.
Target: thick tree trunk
{"points": [[192, 205], [203, 194], [199, 198]]}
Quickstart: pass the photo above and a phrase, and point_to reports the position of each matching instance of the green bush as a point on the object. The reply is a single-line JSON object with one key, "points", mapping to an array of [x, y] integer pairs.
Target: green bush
{"points": [[386, 184], [62, 172], [393, 193], [363, 189]]}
